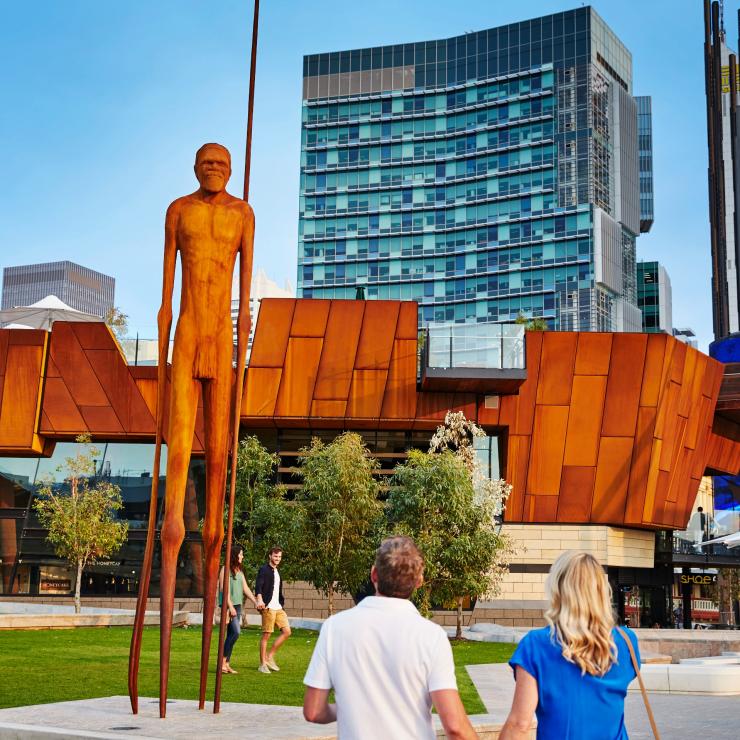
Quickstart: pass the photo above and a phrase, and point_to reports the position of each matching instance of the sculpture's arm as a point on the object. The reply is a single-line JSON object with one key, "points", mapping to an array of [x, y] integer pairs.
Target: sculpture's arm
{"points": [[164, 317], [245, 279]]}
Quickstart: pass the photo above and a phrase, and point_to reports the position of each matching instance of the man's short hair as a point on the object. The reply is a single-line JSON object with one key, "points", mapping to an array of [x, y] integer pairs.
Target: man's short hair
{"points": [[209, 146], [399, 567], [273, 550]]}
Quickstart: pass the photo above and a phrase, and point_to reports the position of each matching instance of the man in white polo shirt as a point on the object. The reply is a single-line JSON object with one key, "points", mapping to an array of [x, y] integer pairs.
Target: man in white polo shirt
{"points": [[386, 663]]}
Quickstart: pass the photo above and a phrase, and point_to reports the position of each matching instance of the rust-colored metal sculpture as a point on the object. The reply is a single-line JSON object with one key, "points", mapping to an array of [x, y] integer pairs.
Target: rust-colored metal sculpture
{"points": [[209, 229]]}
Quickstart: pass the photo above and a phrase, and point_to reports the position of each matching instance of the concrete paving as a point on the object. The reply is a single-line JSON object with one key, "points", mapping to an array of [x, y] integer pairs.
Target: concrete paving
{"points": [[679, 717], [111, 718]]}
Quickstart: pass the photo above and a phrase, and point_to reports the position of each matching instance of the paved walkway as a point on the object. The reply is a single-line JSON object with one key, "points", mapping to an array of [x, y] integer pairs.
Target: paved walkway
{"points": [[111, 718], [678, 716]]}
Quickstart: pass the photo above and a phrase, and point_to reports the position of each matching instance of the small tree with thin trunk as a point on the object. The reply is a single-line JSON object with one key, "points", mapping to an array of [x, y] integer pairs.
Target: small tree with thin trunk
{"points": [[340, 515], [445, 501], [81, 520]]}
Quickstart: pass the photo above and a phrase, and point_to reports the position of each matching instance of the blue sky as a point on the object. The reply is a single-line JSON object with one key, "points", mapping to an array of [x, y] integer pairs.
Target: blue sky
{"points": [[104, 104]]}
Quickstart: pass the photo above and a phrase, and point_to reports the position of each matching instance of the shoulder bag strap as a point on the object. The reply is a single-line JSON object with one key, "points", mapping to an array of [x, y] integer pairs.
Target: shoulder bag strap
{"points": [[654, 727]]}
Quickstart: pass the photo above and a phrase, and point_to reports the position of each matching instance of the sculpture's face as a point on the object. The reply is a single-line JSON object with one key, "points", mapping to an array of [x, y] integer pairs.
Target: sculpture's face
{"points": [[213, 169]]}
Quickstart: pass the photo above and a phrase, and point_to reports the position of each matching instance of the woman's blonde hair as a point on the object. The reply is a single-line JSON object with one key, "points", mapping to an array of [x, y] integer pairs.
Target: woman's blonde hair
{"points": [[580, 612]]}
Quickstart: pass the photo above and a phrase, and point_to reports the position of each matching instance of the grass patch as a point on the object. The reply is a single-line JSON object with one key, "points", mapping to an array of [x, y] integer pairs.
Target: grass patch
{"points": [[43, 666]]}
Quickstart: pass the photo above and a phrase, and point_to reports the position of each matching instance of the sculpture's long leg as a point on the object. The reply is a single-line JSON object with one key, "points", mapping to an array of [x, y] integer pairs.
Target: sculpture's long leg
{"points": [[179, 445], [216, 415], [146, 565], [236, 419], [143, 595]]}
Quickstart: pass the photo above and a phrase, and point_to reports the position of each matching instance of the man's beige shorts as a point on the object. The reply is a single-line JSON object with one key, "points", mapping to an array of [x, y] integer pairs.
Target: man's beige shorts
{"points": [[272, 618]]}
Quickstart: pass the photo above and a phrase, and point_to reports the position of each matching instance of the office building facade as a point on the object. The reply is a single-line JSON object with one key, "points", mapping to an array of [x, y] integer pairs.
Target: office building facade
{"points": [[720, 67], [485, 176], [654, 297], [79, 287]]}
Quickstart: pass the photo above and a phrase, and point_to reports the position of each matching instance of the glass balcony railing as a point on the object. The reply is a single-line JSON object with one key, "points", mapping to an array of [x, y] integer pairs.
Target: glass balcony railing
{"points": [[480, 346], [691, 542]]}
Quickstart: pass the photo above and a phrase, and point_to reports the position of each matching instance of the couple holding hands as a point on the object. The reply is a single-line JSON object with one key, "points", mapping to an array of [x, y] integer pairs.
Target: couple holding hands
{"points": [[267, 599]]}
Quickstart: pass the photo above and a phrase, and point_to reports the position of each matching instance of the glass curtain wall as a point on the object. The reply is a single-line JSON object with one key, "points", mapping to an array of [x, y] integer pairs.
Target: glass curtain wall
{"points": [[28, 562]]}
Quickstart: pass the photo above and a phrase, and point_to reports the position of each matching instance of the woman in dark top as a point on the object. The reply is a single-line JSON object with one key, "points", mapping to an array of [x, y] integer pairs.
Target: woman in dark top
{"points": [[237, 588], [574, 673]]}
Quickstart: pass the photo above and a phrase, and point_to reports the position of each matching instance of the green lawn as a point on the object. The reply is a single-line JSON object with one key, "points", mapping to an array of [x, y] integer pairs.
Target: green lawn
{"points": [[44, 666]]}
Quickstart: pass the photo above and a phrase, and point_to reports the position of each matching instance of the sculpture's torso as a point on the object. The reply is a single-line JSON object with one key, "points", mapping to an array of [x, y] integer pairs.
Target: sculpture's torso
{"points": [[208, 238]]}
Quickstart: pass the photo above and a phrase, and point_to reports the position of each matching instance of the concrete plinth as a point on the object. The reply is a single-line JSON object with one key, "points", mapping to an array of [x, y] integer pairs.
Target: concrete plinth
{"points": [[70, 621], [681, 644]]}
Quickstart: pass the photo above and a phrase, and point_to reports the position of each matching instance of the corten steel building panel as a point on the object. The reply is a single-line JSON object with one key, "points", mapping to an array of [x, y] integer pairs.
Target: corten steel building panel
{"points": [[608, 428], [22, 358], [358, 372], [642, 464]]}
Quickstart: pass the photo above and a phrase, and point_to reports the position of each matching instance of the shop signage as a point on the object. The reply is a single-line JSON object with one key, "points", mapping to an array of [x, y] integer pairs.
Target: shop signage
{"points": [[48, 585], [701, 580]]}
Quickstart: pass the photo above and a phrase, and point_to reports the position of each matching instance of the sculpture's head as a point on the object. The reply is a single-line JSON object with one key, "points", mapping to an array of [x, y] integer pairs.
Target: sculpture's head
{"points": [[213, 167]]}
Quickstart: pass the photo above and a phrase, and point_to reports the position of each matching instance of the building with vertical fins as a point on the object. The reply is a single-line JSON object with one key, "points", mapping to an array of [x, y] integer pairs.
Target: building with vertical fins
{"points": [[485, 176], [720, 66], [645, 154]]}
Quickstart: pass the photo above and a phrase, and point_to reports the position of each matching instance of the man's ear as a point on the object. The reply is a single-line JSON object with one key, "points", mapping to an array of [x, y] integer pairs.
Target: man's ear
{"points": [[374, 576]]}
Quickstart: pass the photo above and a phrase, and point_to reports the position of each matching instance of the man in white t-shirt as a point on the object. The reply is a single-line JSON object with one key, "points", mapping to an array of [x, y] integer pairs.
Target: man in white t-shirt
{"points": [[386, 663]]}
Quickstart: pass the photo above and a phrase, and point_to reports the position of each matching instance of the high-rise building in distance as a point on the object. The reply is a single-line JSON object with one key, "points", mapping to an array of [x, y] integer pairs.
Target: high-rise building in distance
{"points": [[261, 287], [485, 176], [654, 297], [79, 287], [721, 80]]}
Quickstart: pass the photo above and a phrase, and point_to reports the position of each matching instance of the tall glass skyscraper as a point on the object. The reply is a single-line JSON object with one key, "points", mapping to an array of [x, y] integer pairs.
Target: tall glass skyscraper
{"points": [[486, 175]]}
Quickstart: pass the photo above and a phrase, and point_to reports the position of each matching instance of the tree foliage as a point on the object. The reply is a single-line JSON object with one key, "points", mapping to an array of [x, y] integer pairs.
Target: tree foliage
{"points": [[445, 502], [726, 591], [263, 517], [81, 519], [340, 520], [117, 321], [532, 323]]}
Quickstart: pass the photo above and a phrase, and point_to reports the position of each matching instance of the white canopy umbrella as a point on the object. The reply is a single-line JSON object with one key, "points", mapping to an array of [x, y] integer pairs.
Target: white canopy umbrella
{"points": [[729, 540], [43, 313]]}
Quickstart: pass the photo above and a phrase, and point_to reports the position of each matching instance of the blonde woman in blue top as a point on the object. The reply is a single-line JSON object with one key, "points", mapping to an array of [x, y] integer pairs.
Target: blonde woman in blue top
{"points": [[574, 673]]}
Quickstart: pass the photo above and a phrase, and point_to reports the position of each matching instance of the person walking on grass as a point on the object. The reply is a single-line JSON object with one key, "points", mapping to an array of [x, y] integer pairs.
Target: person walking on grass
{"points": [[574, 673], [237, 588], [270, 600], [386, 663]]}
